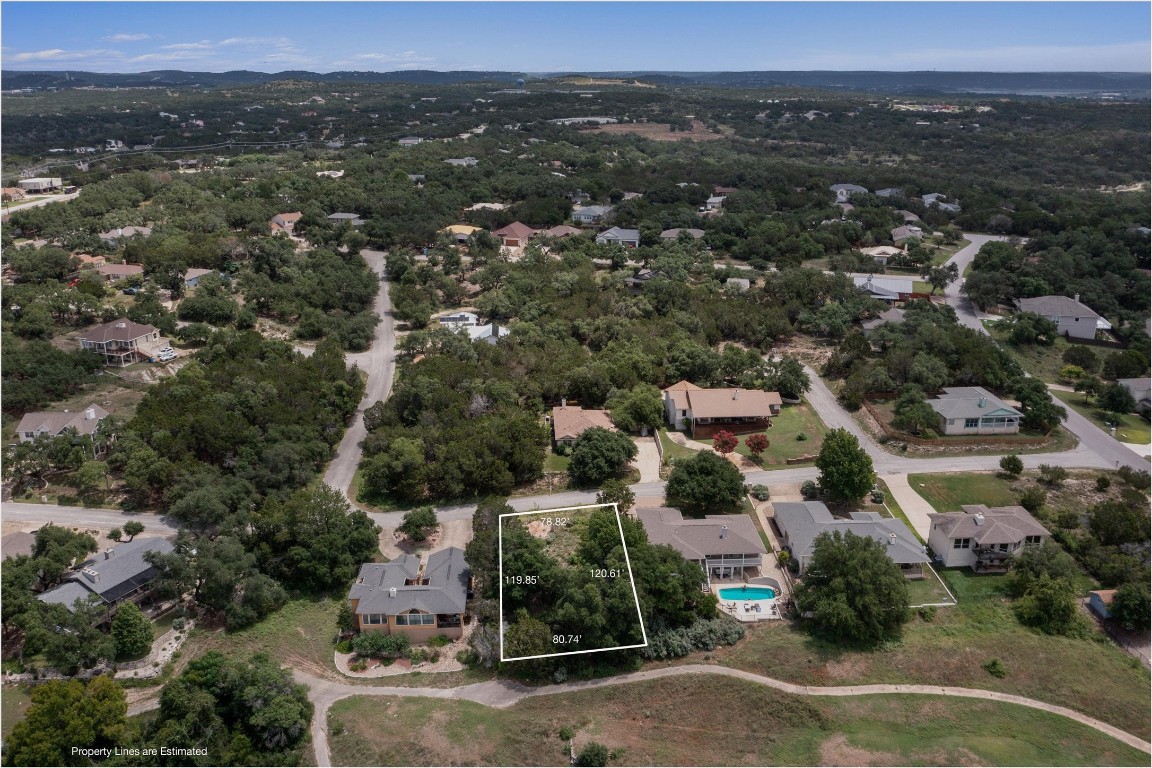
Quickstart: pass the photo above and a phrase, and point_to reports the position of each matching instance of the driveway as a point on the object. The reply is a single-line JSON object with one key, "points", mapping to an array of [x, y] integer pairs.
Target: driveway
{"points": [[647, 459], [916, 509]]}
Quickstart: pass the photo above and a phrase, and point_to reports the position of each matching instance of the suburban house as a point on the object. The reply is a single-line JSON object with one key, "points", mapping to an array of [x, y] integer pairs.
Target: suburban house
{"points": [[515, 235], [723, 545], [345, 218], [193, 277], [974, 411], [618, 236], [981, 537], [117, 574], [908, 216], [845, 191], [725, 191], [53, 423], [113, 272], [88, 261], [1100, 601], [737, 284], [704, 412], [41, 184], [890, 192], [459, 320], [284, 222], [1072, 318], [890, 289], [122, 341], [409, 597], [462, 162], [332, 174], [12, 193], [800, 522], [461, 232], [486, 207], [489, 334], [932, 199], [410, 141], [713, 203], [570, 421], [560, 230], [906, 232], [114, 236], [1141, 391], [637, 282], [881, 253], [590, 214], [674, 234], [892, 315]]}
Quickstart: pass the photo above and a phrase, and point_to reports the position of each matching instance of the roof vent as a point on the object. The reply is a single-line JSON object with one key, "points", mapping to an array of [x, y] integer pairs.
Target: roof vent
{"points": [[891, 539], [90, 414], [982, 402], [723, 531], [736, 394], [978, 518], [91, 575], [121, 324], [391, 591]]}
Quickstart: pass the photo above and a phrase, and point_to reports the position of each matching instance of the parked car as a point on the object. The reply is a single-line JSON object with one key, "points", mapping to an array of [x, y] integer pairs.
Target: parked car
{"points": [[166, 354]]}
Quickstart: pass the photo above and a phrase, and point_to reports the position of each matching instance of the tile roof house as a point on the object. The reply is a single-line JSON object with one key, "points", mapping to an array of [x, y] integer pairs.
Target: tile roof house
{"points": [[515, 235], [1072, 318], [590, 214], [570, 421], [890, 192], [720, 544], [974, 411], [618, 236], [114, 575], [284, 222], [122, 341], [113, 272], [88, 261], [705, 411], [800, 522], [53, 423], [893, 315], [674, 234], [637, 282], [980, 536], [414, 598]]}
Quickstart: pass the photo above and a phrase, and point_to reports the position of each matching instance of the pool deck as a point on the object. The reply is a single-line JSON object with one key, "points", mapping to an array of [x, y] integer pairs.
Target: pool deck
{"points": [[745, 610]]}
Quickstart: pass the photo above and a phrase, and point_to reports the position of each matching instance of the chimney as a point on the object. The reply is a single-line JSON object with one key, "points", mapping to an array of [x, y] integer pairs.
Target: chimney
{"points": [[91, 575], [736, 394], [978, 518], [108, 553], [391, 591], [563, 402], [723, 531], [90, 414], [982, 402], [891, 539], [1076, 297]]}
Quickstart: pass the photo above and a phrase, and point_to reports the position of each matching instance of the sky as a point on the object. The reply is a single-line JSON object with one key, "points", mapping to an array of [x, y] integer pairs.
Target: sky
{"points": [[534, 37]]}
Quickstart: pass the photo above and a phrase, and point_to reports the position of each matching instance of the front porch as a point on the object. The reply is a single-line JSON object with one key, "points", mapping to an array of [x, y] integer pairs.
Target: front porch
{"points": [[706, 429]]}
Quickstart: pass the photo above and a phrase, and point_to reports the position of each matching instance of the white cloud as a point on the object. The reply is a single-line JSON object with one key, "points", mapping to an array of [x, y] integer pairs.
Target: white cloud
{"points": [[405, 56], [126, 37], [203, 45], [58, 55]]}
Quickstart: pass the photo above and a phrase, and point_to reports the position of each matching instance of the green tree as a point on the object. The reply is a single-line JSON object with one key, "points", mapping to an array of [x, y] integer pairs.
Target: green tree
{"points": [[133, 528], [131, 631], [527, 636], [598, 454], [1012, 464], [616, 492], [1049, 605], [417, 523], [1131, 607], [67, 714], [634, 409], [1040, 412], [1114, 523], [1115, 398], [845, 467], [1089, 385], [940, 276], [91, 477], [1031, 328], [853, 590], [1034, 561], [706, 483], [1082, 356], [593, 754]]}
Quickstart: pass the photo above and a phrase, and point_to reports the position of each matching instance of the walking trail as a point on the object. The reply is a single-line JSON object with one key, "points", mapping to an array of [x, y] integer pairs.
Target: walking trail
{"points": [[503, 693]]}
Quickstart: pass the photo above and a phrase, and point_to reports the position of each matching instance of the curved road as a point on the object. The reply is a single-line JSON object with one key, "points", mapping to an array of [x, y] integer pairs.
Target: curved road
{"points": [[503, 693]]}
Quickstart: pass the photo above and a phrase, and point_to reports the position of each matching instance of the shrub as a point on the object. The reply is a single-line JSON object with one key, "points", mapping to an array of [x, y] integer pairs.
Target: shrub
{"points": [[562, 449], [927, 612], [760, 492], [809, 490], [1033, 499], [1012, 465], [418, 655], [566, 733], [1103, 483], [995, 668], [178, 624], [467, 657], [593, 755], [1053, 476], [801, 436], [703, 635], [358, 666], [1137, 478], [379, 645], [439, 641], [344, 646]]}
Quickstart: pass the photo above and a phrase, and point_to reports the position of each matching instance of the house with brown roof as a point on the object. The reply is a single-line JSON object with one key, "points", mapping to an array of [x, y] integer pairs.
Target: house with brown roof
{"points": [[720, 544], [703, 412], [515, 235], [122, 342], [1100, 601], [570, 421], [981, 537], [88, 261], [113, 272], [54, 423], [284, 222], [560, 230], [674, 234], [12, 193]]}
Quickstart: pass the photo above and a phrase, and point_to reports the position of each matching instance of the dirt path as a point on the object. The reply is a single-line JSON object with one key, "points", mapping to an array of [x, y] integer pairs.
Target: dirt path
{"points": [[504, 693]]}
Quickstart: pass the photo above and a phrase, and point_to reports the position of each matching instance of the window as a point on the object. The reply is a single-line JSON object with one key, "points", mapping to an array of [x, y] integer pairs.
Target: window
{"points": [[372, 618], [971, 423], [1003, 547], [415, 619], [1031, 539], [961, 543]]}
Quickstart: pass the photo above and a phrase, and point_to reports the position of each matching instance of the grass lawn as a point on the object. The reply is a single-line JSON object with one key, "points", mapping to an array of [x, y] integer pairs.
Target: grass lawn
{"points": [[1040, 361], [782, 443], [704, 721], [554, 463], [15, 703], [673, 449], [1132, 428], [928, 591], [1089, 675], [947, 492]]}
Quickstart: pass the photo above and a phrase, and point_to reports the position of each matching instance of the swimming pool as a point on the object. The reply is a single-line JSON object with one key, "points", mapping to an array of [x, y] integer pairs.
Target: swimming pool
{"points": [[747, 593]]}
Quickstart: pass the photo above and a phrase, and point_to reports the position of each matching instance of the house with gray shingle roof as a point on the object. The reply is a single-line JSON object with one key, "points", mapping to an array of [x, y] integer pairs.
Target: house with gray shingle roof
{"points": [[1140, 389], [590, 214], [720, 544], [117, 574], [53, 423], [412, 597], [974, 411], [981, 537], [800, 522], [845, 191], [1072, 318], [674, 234], [618, 236], [893, 315]]}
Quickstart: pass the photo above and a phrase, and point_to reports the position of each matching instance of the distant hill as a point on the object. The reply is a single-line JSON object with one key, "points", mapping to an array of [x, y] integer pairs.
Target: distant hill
{"points": [[912, 83]]}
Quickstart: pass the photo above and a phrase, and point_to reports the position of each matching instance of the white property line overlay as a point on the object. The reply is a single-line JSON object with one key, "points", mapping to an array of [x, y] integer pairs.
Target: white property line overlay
{"points": [[627, 562]]}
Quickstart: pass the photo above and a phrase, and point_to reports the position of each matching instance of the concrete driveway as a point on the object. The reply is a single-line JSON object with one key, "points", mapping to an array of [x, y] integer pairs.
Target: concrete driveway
{"points": [[647, 459]]}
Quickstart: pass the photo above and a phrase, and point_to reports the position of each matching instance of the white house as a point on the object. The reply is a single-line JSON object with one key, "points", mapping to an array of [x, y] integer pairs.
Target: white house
{"points": [[1141, 390], [459, 320], [590, 214], [40, 184], [704, 411], [53, 423], [974, 411], [618, 236], [980, 537], [1072, 318]]}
